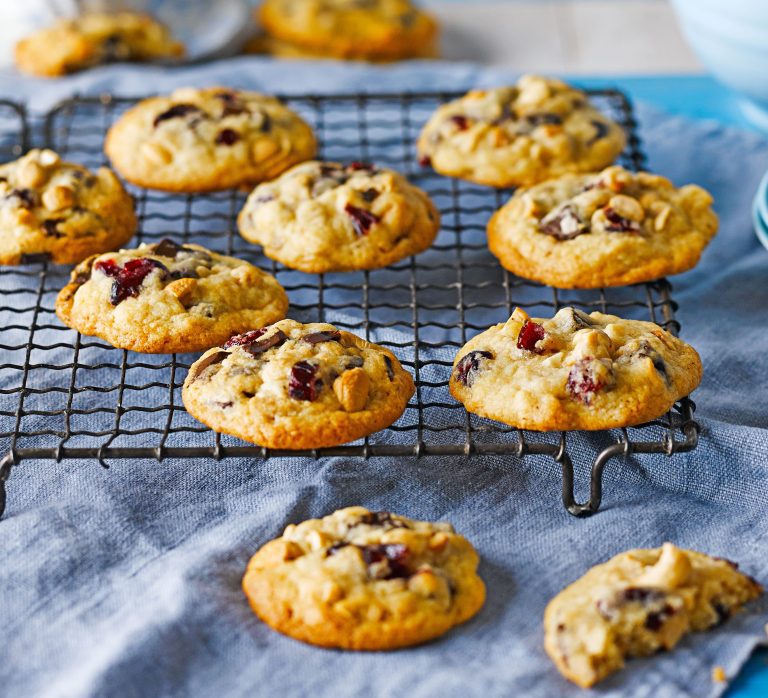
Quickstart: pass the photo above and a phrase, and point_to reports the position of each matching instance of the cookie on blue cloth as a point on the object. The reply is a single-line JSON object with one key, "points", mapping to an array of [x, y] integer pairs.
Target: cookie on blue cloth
{"points": [[638, 603], [365, 580]]}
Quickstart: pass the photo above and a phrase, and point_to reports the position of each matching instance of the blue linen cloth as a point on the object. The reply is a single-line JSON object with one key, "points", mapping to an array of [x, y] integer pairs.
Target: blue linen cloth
{"points": [[127, 582]]}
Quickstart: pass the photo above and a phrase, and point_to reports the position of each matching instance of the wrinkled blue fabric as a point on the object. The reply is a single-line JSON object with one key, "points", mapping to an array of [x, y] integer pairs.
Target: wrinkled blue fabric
{"points": [[126, 582]]}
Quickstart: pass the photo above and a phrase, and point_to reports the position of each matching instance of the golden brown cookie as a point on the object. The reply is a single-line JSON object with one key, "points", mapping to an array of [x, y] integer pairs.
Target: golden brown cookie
{"points": [[365, 580], [295, 386], [198, 140], [324, 216], [638, 603], [167, 298], [50, 209], [520, 135], [607, 228], [92, 39], [573, 371], [377, 30]]}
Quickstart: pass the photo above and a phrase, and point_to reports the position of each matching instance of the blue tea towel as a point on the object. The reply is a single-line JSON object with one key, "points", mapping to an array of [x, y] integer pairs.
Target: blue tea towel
{"points": [[127, 582]]}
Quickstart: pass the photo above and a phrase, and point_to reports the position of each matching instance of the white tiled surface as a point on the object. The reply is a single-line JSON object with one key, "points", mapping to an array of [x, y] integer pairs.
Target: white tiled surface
{"points": [[567, 36]]}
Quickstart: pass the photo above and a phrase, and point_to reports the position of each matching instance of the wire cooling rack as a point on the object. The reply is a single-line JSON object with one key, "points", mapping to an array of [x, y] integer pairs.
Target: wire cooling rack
{"points": [[67, 396]]}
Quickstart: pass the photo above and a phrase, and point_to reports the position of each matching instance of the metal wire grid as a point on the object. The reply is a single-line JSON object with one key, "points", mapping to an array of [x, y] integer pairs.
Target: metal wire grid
{"points": [[69, 396]]}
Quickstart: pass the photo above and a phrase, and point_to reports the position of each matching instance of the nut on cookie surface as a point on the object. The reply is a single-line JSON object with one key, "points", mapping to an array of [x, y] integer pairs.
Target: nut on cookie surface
{"points": [[608, 228], [297, 386], [364, 580], [167, 297], [198, 140], [60, 210], [638, 603], [519, 135], [325, 216], [573, 371]]}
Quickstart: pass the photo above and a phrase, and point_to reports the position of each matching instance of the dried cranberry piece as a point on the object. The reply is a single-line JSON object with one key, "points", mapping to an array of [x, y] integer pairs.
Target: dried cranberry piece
{"points": [[177, 111], [469, 365], [563, 223], [320, 337], [51, 227], [358, 166], [227, 136], [27, 198], [582, 381], [461, 122], [261, 345], [246, 338], [209, 360], [544, 118], [530, 333], [128, 278], [619, 224], [655, 619], [167, 248], [394, 554], [425, 161], [303, 383], [362, 220], [369, 194]]}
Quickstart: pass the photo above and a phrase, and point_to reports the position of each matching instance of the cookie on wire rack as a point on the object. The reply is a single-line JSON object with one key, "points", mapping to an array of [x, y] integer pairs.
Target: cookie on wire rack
{"points": [[51, 209], [608, 228], [325, 216], [573, 371], [198, 140], [519, 135], [297, 386], [365, 580], [166, 298], [639, 603]]}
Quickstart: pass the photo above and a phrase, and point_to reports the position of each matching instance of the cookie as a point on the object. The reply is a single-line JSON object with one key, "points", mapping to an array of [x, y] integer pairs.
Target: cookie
{"points": [[71, 45], [324, 216], [608, 228], [283, 49], [574, 371], [636, 604], [200, 140], [168, 298], [294, 386], [365, 580], [375, 30], [50, 209], [519, 136]]}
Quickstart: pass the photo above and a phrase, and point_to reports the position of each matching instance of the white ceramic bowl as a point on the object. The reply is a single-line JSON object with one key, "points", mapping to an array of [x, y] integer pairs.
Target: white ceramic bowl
{"points": [[731, 39]]}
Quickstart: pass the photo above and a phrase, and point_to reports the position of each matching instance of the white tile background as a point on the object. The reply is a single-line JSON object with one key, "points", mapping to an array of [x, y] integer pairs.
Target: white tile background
{"points": [[566, 36]]}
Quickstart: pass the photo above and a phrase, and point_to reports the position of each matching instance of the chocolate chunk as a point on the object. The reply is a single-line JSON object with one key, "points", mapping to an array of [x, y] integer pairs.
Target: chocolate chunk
{"points": [[601, 131], [320, 337], [227, 136], [259, 346], [563, 223], [390, 368], [394, 555], [35, 257], [369, 194], [543, 119], [210, 360], [469, 365], [382, 518], [167, 248], [619, 224], [177, 111], [27, 198], [51, 229]]}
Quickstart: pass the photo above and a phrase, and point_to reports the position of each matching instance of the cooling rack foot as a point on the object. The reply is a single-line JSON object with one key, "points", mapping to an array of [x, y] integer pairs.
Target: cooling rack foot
{"points": [[5, 470], [595, 484]]}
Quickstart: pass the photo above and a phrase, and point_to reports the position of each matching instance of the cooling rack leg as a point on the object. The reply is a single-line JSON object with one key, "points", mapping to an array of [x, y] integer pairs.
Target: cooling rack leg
{"points": [[5, 470], [596, 481]]}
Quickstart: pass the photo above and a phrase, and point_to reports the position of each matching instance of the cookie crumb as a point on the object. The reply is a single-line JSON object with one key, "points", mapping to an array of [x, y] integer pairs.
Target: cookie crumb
{"points": [[718, 674]]}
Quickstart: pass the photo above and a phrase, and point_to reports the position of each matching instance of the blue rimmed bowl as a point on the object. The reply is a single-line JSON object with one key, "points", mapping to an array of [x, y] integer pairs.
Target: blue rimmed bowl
{"points": [[730, 38], [760, 211]]}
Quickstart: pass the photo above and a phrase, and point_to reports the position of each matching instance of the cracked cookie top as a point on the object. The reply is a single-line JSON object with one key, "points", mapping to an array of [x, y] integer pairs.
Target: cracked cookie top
{"points": [[365, 580], [207, 139], [58, 210], [573, 371]]}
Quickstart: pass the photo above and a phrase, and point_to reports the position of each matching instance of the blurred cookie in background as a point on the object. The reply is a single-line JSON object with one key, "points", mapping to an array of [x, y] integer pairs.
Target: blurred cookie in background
{"points": [[71, 45], [373, 30]]}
